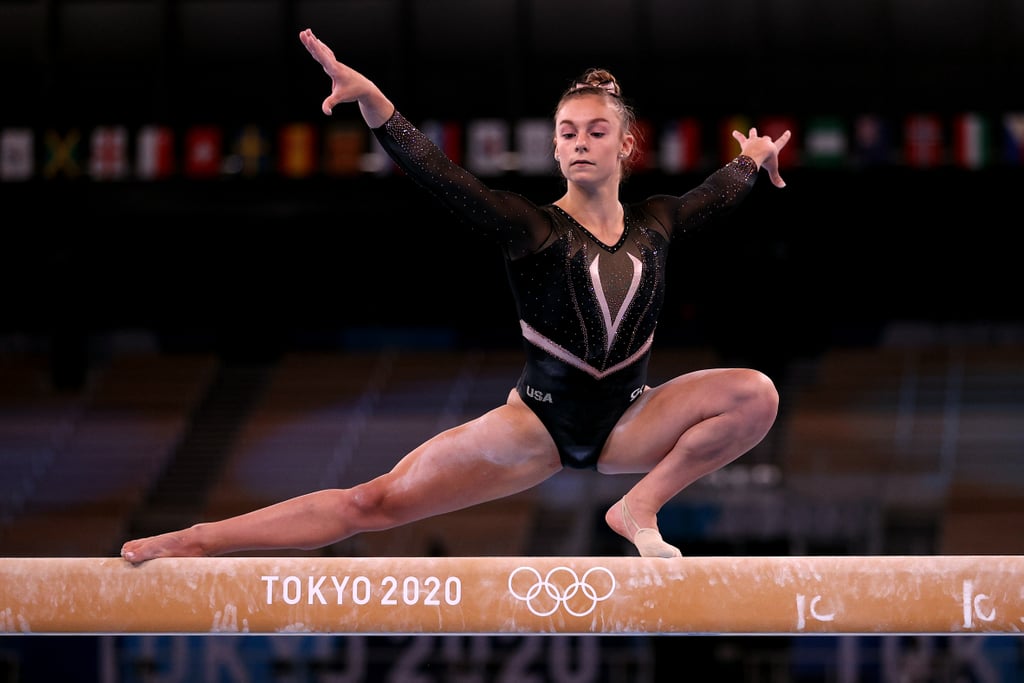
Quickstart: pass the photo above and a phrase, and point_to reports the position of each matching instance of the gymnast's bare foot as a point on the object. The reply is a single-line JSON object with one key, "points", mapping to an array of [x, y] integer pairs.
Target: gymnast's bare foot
{"points": [[172, 544], [648, 540]]}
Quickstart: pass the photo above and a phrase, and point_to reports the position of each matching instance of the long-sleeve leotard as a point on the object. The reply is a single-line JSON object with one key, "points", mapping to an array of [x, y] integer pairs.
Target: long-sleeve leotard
{"points": [[587, 310]]}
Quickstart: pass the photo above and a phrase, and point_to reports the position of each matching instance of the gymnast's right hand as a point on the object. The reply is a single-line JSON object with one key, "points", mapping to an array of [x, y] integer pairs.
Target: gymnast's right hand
{"points": [[347, 84]]}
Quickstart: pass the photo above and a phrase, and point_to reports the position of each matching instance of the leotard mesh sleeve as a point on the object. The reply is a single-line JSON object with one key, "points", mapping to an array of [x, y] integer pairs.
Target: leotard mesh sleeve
{"points": [[720, 193], [511, 219]]}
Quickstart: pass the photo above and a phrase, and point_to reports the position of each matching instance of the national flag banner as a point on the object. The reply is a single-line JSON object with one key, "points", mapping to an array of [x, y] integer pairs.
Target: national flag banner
{"points": [[250, 152], [728, 147], [971, 141], [872, 140], [344, 147], [773, 127], [922, 140], [154, 152], [1013, 138], [296, 144], [108, 152], [17, 154], [203, 151], [62, 154], [447, 135], [535, 146], [679, 149], [487, 147], [827, 142]]}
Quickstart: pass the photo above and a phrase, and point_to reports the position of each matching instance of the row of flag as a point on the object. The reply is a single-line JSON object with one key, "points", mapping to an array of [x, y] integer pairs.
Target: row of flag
{"points": [[491, 147]]}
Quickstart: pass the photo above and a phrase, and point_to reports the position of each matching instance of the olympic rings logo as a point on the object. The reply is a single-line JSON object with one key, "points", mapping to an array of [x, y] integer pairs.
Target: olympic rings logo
{"points": [[560, 587]]}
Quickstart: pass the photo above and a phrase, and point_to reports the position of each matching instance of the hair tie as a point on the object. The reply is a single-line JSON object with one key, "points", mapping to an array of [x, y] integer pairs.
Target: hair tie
{"points": [[608, 85]]}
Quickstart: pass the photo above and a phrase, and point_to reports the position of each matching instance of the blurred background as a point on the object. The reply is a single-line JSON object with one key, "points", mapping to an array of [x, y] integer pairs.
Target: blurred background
{"points": [[216, 297]]}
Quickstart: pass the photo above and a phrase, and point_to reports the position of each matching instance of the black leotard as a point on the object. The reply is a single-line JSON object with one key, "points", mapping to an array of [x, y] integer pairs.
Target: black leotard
{"points": [[587, 310]]}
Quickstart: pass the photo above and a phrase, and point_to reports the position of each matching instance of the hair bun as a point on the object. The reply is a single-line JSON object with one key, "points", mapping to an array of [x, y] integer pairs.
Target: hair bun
{"points": [[598, 78]]}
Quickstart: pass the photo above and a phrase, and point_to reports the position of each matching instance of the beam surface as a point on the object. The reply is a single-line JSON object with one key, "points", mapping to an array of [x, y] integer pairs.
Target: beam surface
{"points": [[491, 595]]}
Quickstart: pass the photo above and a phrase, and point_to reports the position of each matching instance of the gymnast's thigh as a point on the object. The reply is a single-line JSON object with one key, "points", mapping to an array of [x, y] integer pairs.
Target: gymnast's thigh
{"points": [[653, 423], [502, 452]]}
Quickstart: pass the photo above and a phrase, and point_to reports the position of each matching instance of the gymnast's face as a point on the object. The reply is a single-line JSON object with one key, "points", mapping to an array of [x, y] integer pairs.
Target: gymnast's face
{"points": [[590, 143]]}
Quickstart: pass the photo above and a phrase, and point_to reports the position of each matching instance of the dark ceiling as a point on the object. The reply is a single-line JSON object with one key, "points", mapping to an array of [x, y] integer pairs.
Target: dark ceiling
{"points": [[146, 59]]}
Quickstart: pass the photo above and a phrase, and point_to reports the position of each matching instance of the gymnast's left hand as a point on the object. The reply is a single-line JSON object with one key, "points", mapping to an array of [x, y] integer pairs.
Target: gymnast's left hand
{"points": [[764, 151]]}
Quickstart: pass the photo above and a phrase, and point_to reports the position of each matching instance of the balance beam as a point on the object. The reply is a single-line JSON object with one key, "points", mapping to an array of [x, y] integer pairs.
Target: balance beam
{"points": [[521, 595]]}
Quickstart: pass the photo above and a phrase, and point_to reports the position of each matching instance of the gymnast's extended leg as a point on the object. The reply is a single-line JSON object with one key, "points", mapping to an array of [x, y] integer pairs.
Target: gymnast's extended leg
{"points": [[503, 452]]}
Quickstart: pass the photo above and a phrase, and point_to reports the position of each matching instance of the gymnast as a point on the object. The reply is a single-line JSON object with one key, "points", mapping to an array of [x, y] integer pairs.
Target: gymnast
{"points": [[587, 272]]}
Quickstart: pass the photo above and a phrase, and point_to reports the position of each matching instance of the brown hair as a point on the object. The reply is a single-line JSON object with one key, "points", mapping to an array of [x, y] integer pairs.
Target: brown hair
{"points": [[601, 82]]}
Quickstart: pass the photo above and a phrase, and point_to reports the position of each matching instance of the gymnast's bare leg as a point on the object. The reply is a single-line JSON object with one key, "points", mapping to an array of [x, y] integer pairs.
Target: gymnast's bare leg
{"points": [[677, 433], [503, 452]]}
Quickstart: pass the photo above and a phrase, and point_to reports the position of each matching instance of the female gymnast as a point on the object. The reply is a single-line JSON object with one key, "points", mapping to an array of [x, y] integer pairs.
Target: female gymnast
{"points": [[588, 275]]}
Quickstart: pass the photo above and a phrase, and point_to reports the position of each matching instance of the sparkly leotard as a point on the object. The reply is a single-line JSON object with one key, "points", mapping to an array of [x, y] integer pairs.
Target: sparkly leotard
{"points": [[587, 310]]}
